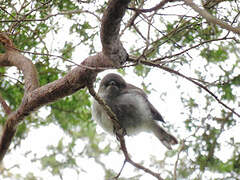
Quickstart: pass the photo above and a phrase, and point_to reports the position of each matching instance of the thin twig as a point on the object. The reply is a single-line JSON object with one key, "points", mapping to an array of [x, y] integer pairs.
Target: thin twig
{"points": [[11, 78], [131, 20], [149, 63], [52, 15], [120, 172], [155, 8], [181, 148], [76, 64], [190, 48], [105, 106], [120, 134], [129, 160], [211, 18]]}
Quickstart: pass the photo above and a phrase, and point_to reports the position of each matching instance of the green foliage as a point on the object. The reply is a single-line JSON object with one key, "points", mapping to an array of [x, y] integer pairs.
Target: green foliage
{"points": [[183, 32], [215, 56], [65, 5], [185, 42], [50, 161], [67, 50], [227, 90], [46, 73], [13, 93], [69, 112], [141, 70], [236, 80]]}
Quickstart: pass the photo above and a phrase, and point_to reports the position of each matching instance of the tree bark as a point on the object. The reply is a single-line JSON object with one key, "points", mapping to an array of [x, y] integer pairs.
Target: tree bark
{"points": [[113, 54]]}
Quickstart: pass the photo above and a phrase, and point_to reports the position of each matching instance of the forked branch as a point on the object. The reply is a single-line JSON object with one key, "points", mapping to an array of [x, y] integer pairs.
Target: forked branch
{"points": [[112, 54]]}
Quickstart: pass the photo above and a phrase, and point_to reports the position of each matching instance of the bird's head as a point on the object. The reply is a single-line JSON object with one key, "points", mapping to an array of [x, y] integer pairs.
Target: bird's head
{"points": [[111, 85]]}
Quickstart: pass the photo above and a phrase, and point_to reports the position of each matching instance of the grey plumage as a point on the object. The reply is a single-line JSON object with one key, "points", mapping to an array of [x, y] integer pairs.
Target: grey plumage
{"points": [[132, 108]]}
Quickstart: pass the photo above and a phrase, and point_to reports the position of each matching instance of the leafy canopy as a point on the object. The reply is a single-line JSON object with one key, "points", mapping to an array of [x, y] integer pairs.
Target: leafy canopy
{"points": [[57, 35]]}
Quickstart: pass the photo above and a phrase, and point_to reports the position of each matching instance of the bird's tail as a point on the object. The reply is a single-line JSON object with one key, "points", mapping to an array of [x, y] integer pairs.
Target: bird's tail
{"points": [[166, 138]]}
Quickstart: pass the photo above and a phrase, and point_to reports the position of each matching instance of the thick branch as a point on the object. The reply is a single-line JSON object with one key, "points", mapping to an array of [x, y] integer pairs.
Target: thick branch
{"points": [[13, 58], [211, 18], [76, 79], [113, 54], [112, 47]]}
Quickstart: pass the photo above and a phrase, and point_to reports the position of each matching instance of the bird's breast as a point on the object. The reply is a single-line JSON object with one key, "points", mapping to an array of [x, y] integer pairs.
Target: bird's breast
{"points": [[101, 117], [131, 110]]}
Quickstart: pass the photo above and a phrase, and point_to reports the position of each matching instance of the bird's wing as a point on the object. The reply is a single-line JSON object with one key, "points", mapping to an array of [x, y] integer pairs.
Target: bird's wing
{"points": [[124, 112], [156, 115]]}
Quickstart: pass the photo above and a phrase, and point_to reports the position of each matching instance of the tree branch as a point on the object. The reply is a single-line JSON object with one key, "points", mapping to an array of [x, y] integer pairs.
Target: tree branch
{"points": [[120, 135], [62, 13], [70, 83], [132, 19], [110, 113], [74, 80], [149, 63], [112, 46], [155, 8], [181, 148], [5, 107], [190, 48], [13, 58], [211, 18]]}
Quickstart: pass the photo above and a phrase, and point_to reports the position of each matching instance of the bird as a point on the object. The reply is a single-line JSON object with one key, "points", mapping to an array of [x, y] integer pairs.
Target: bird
{"points": [[132, 108]]}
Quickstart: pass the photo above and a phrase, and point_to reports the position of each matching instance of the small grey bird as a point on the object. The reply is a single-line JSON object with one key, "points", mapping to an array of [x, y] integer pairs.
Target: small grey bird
{"points": [[132, 108]]}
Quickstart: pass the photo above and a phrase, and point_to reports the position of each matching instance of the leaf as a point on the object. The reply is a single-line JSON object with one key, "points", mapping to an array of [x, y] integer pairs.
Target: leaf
{"points": [[227, 90], [214, 56]]}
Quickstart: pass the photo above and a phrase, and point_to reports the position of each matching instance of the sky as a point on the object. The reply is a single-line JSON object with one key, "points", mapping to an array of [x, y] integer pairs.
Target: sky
{"points": [[141, 147], [39, 139]]}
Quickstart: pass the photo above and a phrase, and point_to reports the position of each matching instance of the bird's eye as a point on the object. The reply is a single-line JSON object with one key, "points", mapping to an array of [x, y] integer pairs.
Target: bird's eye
{"points": [[112, 83]]}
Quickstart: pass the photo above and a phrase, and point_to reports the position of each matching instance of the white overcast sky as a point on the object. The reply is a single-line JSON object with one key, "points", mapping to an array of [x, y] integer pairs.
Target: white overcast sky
{"points": [[141, 147]]}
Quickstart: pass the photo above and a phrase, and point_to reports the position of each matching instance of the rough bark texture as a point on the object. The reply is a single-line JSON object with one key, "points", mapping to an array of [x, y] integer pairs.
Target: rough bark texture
{"points": [[113, 54], [112, 46]]}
